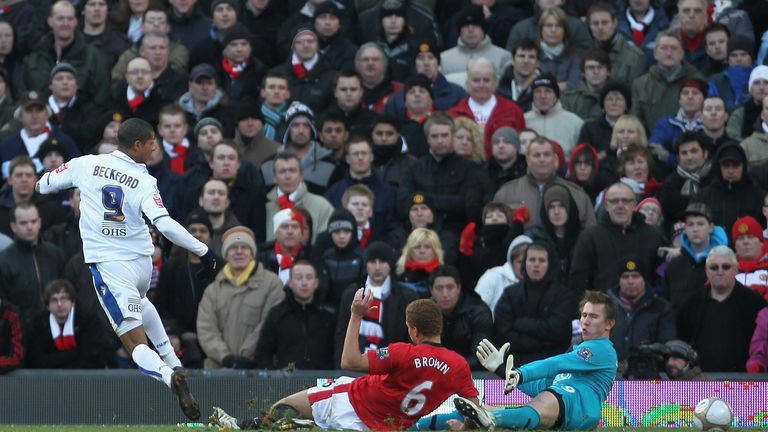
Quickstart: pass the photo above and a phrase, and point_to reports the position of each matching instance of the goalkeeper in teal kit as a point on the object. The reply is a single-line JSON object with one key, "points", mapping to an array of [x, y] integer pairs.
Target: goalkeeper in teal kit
{"points": [[567, 390]]}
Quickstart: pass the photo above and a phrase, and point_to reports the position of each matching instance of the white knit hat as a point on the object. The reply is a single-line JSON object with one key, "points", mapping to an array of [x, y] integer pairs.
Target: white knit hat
{"points": [[286, 215], [760, 72]]}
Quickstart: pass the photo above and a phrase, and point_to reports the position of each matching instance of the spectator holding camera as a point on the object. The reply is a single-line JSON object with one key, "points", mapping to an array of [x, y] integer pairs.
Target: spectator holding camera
{"points": [[644, 317]]}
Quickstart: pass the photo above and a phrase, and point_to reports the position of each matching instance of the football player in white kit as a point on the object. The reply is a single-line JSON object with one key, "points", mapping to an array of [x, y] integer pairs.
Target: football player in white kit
{"points": [[116, 193]]}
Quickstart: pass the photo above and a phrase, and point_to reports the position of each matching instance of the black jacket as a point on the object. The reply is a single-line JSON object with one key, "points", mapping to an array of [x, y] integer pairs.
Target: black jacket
{"points": [[339, 267], [684, 279], [246, 85], [470, 323], [65, 236], [390, 165], [92, 351], [651, 320], [179, 291], [730, 201], [25, 270], [110, 43], [339, 51], [316, 88], [446, 181], [595, 264], [673, 203], [721, 332], [535, 316], [82, 122], [485, 181], [299, 334], [393, 323]]}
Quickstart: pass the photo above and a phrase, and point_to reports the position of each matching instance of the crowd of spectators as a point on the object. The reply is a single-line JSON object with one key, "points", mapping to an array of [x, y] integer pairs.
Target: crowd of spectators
{"points": [[498, 156]]}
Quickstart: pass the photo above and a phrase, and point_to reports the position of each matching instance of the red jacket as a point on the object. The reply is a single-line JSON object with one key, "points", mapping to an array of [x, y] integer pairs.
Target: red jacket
{"points": [[505, 113]]}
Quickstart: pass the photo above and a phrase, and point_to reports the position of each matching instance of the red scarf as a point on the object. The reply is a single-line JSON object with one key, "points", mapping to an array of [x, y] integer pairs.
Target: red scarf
{"points": [[692, 43], [233, 70], [134, 103], [428, 267], [286, 260], [65, 343], [423, 118], [366, 237], [177, 163], [284, 201], [300, 70], [748, 266], [639, 35]]}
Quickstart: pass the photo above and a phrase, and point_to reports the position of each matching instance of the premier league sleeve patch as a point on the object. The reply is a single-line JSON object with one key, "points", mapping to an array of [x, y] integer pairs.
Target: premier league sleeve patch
{"points": [[382, 353], [584, 353]]}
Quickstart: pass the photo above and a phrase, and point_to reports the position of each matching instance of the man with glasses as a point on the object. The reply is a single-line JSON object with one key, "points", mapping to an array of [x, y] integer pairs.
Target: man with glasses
{"points": [[619, 232], [138, 96], [720, 320]]}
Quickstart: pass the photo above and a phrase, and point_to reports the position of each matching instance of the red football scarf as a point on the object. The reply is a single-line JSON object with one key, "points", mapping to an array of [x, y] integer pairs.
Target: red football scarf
{"points": [[286, 260], [134, 103], [177, 163], [233, 70], [429, 267], [284, 201]]}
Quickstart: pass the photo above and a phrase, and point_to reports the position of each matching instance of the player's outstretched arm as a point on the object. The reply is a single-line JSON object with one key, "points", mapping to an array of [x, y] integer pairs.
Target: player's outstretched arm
{"points": [[176, 233], [59, 179], [351, 359]]}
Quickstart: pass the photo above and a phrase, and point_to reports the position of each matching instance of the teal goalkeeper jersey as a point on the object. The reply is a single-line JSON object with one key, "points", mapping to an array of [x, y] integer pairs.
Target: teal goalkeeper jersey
{"points": [[587, 371]]}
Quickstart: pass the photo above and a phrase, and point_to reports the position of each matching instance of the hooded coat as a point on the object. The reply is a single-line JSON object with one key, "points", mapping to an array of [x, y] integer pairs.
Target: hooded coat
{"points": [[729, 201], [535, 316], [685, 276], [494, 281]]}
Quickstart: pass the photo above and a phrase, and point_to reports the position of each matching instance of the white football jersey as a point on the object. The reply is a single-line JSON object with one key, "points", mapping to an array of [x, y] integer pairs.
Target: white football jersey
{"points": [[115, 191]]}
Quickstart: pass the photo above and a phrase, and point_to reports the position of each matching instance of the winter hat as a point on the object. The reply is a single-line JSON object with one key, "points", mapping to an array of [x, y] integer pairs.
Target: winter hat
{"points": [[298, 109], [392, 7], [741, 42], [422, 198], [238, 234], [509, 134], [208, 121], [696, 83], [199, 216], [286, 215], [556, 192], [202, 70], [697, 209], [380, 250], [633, 264], [730, 152], [473, 15], [328, 7], [341, 219], [648, 201], [302, 29], [429, 46], [759, 72], [618, 87], [233, 3], [418, 80], [51, 145], [237, 31], [546, 80], [248, 109], [63, 67], [746, 225]]}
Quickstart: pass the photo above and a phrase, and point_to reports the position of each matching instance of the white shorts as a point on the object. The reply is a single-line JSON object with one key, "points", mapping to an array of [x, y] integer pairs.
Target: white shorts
{"points": [[120, 286], [331, 408]]}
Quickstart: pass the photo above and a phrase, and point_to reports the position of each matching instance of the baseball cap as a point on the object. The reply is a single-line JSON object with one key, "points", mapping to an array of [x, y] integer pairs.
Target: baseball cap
{"points": [[202, 70]]}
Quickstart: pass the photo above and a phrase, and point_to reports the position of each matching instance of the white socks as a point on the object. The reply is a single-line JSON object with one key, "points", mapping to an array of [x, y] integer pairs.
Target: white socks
{"points": [[153, 327], [149, 363]]}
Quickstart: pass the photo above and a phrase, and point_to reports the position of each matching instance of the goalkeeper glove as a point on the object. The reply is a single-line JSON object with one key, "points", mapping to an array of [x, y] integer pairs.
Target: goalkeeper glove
{"points": [[210, 268], [490, 357], [513, 376]]}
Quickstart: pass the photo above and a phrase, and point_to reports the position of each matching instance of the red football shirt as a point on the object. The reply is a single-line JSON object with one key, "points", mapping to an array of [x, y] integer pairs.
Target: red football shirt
{"points": [[407, 382]]}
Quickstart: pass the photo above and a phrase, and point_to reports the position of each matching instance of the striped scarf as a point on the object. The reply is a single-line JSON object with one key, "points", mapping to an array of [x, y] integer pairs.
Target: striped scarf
{"points": [[272, 119]]}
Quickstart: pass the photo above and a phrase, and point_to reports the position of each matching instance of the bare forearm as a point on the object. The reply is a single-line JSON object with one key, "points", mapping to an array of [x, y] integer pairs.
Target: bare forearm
{"points": [[350, 354]]}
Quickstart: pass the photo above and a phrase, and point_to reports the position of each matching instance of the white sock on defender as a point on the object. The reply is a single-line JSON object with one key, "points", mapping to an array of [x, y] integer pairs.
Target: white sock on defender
{"points": [[149, 363], [153, 327]]}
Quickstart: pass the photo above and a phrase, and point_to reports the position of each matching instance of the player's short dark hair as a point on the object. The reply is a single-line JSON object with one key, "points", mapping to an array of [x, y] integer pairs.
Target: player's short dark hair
{"points": [[56, 286], [598, 55], [304, 262], [600, 297], [286, 156], [22, 206], [689, 136], [274, 73], [426, 316], [349, 73], [132, 130], [445, 271], [21, 160], [601, 6], [527, 44]]}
